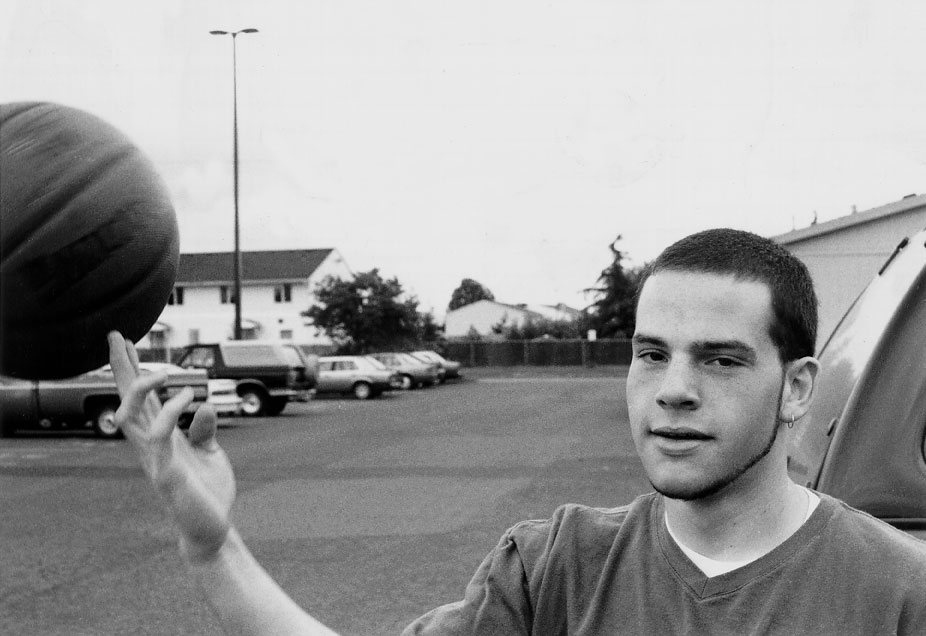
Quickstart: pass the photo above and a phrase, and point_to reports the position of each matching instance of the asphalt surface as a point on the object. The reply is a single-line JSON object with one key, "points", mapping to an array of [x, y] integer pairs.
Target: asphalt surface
{"points": [[367, 513]]}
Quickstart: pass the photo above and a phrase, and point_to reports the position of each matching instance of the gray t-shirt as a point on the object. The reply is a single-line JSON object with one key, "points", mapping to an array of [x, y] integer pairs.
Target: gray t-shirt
{"points": [[592, 571]]}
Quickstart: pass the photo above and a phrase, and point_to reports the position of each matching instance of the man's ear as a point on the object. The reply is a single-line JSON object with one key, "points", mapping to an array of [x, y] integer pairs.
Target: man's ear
{"points": [[797, 391]]}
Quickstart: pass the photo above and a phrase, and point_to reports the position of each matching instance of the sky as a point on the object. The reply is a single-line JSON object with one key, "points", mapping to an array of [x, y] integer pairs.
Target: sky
{"points": [[508, 141]]}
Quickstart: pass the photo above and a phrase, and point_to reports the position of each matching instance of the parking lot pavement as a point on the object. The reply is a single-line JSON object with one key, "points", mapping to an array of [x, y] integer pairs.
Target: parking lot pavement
{"points": [[368, 512]]}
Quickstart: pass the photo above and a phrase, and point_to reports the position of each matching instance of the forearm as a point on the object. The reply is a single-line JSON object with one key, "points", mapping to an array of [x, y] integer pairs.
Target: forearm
{"points": [[246, 599]]}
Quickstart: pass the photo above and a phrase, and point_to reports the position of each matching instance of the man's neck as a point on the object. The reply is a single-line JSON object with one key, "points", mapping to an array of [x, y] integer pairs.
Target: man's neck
{"points": [[740, 523]]}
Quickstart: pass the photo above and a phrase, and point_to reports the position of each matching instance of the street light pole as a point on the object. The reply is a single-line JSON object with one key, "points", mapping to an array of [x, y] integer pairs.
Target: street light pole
{"points": [[237, 266]]}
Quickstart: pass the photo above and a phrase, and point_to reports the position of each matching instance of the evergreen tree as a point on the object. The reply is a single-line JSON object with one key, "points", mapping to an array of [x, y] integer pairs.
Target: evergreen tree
{"points": [[612, 313]]}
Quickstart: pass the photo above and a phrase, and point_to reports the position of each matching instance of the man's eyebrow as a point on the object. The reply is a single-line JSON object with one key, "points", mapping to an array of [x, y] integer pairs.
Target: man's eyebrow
{"points": [[737, 347], [643, 339], [703, 347]]}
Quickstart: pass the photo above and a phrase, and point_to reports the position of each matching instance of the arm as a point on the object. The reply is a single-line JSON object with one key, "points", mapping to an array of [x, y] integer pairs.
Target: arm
{"points": [[194, 478]]}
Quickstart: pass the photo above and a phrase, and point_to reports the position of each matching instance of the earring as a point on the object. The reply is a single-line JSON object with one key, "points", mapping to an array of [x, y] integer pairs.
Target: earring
{"points": [[791, 423]]}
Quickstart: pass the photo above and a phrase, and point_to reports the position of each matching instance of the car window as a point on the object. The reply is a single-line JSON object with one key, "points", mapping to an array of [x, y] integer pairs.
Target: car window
{"points": [[200, 358], [293, 356], [325, 366], [254, 355]]}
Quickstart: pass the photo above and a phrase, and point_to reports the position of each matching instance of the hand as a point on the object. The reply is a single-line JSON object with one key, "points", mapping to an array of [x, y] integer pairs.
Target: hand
{"points": [[193, 475]]}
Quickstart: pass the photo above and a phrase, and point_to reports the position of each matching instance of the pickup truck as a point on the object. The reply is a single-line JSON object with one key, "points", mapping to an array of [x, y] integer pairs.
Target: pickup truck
{"points": [[269, 374], [864, 439], [89, 400]]}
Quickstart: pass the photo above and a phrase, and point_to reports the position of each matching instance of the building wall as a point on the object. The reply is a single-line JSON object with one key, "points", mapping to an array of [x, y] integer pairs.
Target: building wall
{"points": [[204, 318], [843, 262], [481, 315]]}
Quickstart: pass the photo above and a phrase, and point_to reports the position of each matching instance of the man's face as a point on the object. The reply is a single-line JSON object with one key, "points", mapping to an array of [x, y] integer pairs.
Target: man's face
{"points": [[705, 383]]}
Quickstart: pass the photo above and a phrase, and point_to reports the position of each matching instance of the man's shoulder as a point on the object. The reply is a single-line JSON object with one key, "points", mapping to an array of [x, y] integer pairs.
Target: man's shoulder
{"points": [[881, 541], [576, 526]]}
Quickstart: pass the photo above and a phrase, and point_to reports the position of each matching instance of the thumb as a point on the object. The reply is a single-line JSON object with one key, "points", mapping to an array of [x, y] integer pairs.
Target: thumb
{"points": [[202, 430]]}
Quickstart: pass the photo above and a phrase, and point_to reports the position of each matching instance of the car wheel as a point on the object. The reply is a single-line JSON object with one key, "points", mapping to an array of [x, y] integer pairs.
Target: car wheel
{"points": [[103, 418], [406, 382], [253, 402], [362, 391], [275, 405]]}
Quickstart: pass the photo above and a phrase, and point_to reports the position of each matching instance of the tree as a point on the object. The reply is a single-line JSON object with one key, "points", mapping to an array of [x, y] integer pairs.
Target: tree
{"points": [[366, 314], [612, 313], [469, 292], [428, 330]]}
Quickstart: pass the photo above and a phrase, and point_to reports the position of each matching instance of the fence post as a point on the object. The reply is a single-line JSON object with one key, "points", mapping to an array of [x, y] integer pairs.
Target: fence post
{"points": [[527, 352], [472, 353]]}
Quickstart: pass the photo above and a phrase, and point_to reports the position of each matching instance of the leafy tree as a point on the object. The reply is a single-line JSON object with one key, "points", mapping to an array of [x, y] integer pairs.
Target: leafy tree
{"points": [[469, 292], [612, 313], [367, 313]]}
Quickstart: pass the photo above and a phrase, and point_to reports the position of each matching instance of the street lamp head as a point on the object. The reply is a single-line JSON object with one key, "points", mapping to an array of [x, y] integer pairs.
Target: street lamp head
{"points": [[248, 31], [218, 32]]}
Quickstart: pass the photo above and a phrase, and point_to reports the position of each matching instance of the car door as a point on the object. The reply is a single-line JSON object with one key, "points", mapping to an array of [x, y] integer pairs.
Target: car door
{"points": [[326, 377]]}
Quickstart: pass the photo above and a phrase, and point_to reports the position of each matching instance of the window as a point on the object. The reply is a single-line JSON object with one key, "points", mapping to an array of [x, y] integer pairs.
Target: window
{"points": [[226, 295], [283, 293], [193, 336], [176, 296], [286, 334], [200, 358]]}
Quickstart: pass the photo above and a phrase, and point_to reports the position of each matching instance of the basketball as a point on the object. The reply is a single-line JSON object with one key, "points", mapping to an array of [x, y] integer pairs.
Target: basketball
{"points": [[88, 240]]}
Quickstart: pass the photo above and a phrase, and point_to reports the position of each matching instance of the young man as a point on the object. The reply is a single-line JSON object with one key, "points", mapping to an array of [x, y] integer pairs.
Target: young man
{"points": [[722, 361]]}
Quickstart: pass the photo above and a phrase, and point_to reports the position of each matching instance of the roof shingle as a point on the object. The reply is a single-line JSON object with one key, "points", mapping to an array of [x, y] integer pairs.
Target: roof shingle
{"points": [[255, 266]]}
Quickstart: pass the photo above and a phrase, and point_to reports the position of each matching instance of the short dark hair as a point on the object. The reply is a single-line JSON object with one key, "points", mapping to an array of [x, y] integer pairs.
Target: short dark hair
{"points": [[748, 256]]}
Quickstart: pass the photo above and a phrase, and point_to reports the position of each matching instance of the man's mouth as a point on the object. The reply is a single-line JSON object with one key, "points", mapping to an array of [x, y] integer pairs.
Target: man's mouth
{"points": [[680, 433]]}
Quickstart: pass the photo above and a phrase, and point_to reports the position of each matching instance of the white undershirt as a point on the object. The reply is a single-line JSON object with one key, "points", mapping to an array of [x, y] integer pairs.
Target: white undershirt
{"points": [[714, 567]]}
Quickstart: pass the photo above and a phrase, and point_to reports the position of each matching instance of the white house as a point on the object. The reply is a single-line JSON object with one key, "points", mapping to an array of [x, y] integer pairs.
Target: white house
{"points": [[482, 315], [276, 287], [844, 254]]}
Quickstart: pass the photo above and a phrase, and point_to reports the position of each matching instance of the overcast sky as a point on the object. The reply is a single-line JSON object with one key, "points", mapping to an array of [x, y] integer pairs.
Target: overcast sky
{"points": [[505, 141]]}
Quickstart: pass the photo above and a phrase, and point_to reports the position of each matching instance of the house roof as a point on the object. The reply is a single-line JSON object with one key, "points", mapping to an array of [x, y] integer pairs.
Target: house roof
{"points": [[907, 204], [255, 266], [535, 312]]}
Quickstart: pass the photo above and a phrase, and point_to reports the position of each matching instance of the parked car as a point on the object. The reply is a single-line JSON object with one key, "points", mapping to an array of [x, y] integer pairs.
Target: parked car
{"points": [[268, 374], [224, 398], [864, 439], [447, 369], [362, 376], [412, 371], [89, 400]]}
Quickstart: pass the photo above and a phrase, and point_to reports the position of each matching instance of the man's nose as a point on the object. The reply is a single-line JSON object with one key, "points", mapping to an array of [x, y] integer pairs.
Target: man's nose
{"points": [[678, 389]]}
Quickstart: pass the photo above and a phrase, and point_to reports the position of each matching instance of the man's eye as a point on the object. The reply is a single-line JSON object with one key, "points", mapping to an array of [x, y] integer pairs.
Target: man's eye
{"points": [[726, 363], [651, 356]]}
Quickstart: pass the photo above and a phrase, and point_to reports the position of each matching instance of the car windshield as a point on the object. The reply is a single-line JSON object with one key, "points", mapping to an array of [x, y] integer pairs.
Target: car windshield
{"points": [[376, 363]]}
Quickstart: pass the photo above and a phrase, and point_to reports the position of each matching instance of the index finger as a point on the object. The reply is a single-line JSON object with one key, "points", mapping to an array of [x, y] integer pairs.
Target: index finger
{"points": [[123, 362]]}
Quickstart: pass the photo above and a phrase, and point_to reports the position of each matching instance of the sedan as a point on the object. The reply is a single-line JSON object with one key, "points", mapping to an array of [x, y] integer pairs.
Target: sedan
{"points": [[412, 371], [361, 376], [448, 369]]}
